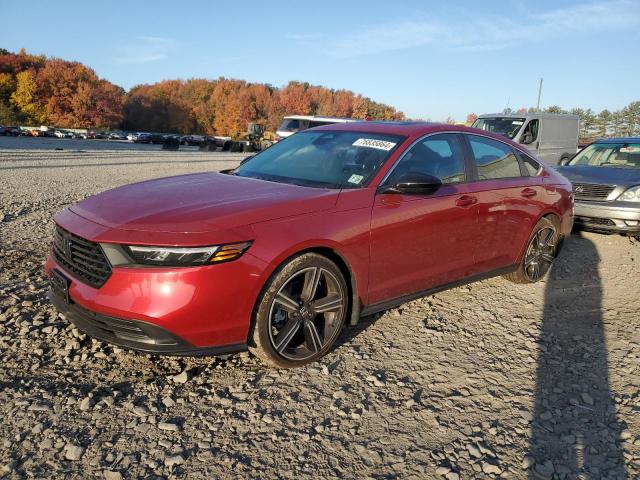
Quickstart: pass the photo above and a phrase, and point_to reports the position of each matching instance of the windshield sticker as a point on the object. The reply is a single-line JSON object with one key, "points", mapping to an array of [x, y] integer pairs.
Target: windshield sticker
{"points": [[630, 149], [355, 179], [372, 143], [517, 122]]}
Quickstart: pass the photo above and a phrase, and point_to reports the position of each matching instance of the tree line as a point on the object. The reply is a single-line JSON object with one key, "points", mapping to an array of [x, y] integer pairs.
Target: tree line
{"points": [[37, 90], [618, 123]]}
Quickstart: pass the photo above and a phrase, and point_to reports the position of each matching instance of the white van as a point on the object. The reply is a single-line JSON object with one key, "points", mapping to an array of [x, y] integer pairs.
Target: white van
{"points": [[551, 136], [296, 123]]}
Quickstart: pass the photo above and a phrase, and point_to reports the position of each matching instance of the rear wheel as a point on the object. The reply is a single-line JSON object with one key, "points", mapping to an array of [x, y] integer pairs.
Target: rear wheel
{"points": [[300, 313], [539, 253]]}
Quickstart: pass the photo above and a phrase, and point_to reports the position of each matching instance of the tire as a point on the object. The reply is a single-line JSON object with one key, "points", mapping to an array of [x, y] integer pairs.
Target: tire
{"points": [[539, 253], [294, 322]]}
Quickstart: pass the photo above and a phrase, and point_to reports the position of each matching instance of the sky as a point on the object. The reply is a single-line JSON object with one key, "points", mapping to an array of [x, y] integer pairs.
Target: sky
{"points": [[431, 60]]}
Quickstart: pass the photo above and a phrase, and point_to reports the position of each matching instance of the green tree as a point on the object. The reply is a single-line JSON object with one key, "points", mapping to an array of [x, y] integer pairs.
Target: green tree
{"points": [[603, 123], [555, 109], [8, 115], [631, 119]]}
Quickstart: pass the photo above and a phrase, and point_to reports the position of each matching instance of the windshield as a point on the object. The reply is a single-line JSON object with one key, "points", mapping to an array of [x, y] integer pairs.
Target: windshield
{"points": [[621, 155], [323, 159], [507, 127], [290, 125]]}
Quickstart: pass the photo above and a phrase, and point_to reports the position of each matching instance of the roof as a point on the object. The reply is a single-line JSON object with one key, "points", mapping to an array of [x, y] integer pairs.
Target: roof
{"points": [[325, 119], [406, 129], [618, 140], [529, 115], [411, 129]]}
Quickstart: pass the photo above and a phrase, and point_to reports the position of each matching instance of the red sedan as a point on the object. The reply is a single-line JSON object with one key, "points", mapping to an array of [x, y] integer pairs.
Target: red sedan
{"points": [[326, 226]]}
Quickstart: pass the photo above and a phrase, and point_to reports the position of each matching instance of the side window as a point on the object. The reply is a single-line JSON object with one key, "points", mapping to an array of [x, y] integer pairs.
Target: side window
{"points": [[531, 167], [315, 123], [530, 133], [438, 155], [494, 159]]}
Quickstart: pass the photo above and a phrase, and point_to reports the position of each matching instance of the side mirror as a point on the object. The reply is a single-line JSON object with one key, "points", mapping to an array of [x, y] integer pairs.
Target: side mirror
{"points": [[564, 161], [413, 184], [527, 138]]}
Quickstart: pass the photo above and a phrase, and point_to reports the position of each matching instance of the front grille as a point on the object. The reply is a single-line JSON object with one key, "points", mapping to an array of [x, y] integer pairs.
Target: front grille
{"points": [[592, 191], [80, 257], [595, 221]]}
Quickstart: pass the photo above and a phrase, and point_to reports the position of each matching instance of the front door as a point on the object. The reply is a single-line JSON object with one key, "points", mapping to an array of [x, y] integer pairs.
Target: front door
{"points": [[422, 241]]}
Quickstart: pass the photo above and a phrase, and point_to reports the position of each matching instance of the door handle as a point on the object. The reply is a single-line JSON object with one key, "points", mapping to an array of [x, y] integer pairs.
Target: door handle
{"points": [[528, 192], [466, 201]]}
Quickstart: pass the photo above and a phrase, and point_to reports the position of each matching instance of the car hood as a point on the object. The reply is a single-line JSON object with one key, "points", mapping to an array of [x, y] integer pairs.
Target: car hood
{"points": [[602, 175], [202, 202]]}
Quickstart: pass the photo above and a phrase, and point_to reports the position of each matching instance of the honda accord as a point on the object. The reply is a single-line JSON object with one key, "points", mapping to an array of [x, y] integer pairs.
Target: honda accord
{"points": [[329, 225]]}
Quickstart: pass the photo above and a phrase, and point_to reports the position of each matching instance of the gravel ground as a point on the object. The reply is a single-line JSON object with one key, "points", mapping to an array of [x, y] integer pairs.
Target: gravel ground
{"points": [[53, 143], [483, 381]]}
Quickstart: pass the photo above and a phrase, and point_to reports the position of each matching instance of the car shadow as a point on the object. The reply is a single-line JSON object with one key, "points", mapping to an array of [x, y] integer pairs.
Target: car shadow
{"points": [[575, 431]]}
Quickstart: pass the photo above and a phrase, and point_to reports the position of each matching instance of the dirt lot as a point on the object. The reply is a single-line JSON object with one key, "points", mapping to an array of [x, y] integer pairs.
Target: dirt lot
{"points": [[484, 381], [52, 143]]}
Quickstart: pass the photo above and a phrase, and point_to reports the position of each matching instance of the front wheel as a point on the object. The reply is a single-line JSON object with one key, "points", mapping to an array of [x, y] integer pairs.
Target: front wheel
{"points": [[539, 253], [301, 312]]}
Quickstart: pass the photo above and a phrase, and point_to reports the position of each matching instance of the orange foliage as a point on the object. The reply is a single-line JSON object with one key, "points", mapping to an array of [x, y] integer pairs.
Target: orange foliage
{"points": [[69, 94]]}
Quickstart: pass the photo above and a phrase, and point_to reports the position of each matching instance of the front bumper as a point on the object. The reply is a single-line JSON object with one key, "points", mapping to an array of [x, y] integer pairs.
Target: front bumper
{"points": [[605, 216], [133, 334], [191, 310]]}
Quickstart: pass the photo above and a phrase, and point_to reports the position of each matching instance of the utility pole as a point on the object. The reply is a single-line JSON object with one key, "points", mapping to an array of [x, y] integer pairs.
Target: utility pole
{"points": [[539, 95]]}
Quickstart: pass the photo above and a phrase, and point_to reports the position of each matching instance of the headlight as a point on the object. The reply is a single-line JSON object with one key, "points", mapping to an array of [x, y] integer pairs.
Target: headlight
{"points": [[631, 195], [188, 256]]}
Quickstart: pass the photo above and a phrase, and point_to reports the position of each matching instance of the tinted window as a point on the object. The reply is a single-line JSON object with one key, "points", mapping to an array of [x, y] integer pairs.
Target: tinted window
{"points": [[530, 132], [509, 127], [531, 167], [493, 159], [322, 159], [317, 123], [621, 155], [438, 155], [290, 125]]}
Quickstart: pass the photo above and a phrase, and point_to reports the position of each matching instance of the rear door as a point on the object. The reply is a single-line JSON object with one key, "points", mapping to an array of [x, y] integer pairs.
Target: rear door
{"points": [[423, 241], [510, 200]]}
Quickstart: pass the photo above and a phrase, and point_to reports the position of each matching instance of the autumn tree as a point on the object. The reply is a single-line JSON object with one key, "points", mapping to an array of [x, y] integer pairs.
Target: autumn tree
{"points": [[295, 98], [45, 90], [24, 97]]}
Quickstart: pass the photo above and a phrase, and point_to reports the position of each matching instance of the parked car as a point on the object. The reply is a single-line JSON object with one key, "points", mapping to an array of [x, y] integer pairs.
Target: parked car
{"points": [[116, 136], [328, 225], [10, 131], [156, 138], [133, 136], [63, 134], [192, 140], [296, 123], [95, 135], [143, 138], [551, 137], [606, 185]]}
